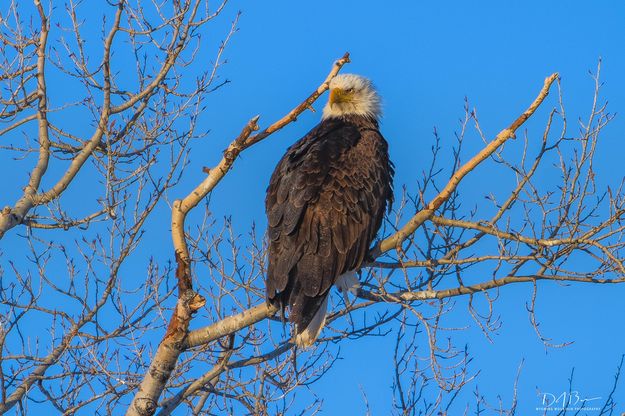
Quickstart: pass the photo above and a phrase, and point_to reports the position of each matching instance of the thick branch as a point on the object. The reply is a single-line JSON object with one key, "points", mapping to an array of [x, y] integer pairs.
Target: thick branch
{"points": [[10, 217], [229, 325]]}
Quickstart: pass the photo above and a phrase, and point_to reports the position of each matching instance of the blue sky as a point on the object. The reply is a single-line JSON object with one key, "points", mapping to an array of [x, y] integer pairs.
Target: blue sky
{"points": [[425, 58]]}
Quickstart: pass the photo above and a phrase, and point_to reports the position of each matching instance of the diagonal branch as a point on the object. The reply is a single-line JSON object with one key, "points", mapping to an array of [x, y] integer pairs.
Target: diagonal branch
{"points": [[420, 217]]}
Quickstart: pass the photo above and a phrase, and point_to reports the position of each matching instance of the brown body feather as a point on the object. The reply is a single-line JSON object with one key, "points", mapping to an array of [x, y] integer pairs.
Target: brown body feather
{"points": [[325, 203]]}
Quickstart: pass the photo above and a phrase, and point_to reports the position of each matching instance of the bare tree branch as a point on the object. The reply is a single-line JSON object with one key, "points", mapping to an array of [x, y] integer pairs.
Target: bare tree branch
{"points": [[97, 319]]}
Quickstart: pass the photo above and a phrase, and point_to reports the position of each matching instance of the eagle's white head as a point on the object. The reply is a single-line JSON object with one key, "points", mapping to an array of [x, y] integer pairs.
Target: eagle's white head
{"points": [[352, 94]]}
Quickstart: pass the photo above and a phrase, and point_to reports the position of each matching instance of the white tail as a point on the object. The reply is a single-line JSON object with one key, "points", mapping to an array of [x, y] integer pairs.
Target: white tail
{"points": [[347, 282], [308, 337]]}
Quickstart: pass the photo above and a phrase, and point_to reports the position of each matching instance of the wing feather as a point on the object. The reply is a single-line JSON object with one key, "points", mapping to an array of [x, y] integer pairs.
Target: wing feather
{"points": [[325, 203]]}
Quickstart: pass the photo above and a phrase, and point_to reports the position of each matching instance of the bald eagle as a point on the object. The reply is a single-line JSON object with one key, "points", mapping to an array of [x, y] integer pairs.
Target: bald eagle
{"points": [[325, 203]]}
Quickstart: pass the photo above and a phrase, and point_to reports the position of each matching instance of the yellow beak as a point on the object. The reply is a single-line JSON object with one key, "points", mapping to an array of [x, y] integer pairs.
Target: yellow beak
{"points": [[336, 95]]}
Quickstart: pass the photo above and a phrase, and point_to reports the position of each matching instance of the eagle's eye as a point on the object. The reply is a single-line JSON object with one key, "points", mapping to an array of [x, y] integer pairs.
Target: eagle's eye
{"points": [[350, 90]]}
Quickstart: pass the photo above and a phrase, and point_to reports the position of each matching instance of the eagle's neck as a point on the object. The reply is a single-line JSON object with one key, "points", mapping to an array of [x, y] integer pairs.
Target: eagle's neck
{"points": [[357, 119]]}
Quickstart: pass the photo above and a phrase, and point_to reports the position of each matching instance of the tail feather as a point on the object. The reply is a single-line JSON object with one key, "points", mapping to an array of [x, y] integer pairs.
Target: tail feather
{"points": [[306, 338]]}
